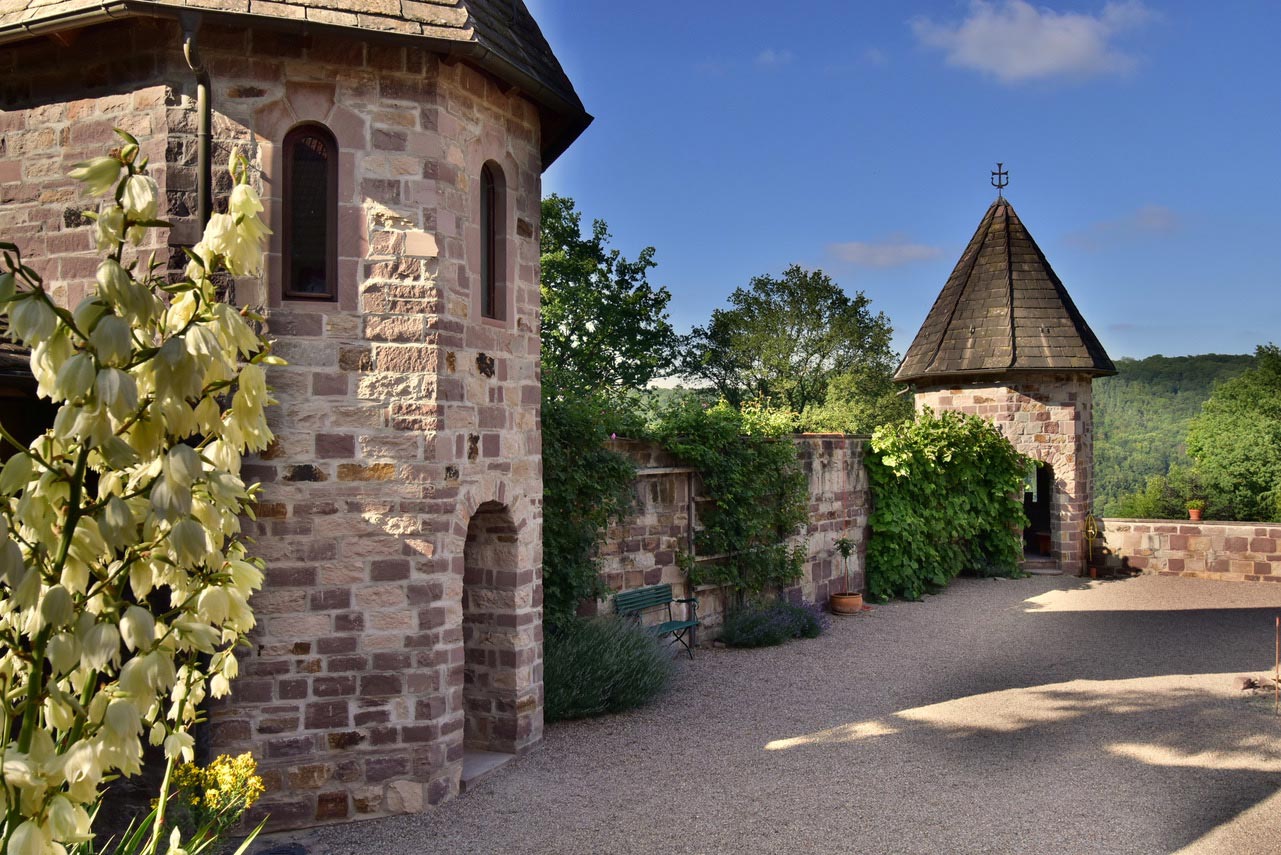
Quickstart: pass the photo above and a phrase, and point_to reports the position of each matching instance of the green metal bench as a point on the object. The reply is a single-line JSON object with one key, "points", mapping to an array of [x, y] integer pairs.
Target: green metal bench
{"points": [[632, 603]]}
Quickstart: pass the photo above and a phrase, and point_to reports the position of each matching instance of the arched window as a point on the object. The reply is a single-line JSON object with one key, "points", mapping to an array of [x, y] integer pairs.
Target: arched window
{"points": [[309, 260], [493, 257]]}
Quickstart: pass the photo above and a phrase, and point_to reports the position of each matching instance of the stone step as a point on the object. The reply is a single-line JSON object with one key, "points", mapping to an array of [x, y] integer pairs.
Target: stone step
{"points": [[478, 764], [1041, 566]]}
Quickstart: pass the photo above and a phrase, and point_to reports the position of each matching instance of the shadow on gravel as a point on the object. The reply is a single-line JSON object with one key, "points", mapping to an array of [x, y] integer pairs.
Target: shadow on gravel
{"points": [[1093, 746], [1145, 643]]}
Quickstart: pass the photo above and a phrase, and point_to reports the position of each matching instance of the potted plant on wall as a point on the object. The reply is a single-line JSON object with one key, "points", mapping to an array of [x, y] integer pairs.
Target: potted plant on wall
{"points": [[1195, 507], [845, 603]]}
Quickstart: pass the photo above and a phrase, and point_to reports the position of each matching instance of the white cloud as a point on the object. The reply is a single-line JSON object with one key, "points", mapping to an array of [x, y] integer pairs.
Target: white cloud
{"points": [[888, 252], [1149, 220], [771, 58], [1016, 41]]}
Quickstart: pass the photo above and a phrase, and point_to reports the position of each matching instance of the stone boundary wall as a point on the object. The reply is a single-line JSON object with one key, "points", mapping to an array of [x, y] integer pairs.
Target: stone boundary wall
{"points": [[644, 548], [1237, 551]]}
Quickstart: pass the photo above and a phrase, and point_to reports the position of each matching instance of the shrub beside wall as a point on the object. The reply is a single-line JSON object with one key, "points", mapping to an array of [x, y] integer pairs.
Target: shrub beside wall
{"points": [[602, 665], [946, 493]]}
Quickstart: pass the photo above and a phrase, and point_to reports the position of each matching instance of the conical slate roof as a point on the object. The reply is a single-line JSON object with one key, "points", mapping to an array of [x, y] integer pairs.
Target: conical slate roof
{"points": [[501, 36], [1002, 311]]}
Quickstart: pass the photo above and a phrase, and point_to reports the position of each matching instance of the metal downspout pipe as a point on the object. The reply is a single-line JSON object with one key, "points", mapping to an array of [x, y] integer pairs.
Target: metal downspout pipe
{"points": [[204, 118]]}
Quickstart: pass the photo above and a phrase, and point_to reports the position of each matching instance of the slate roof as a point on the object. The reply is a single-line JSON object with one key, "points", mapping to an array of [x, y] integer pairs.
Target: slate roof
{"points": [[1002, 311], [499, 35]]}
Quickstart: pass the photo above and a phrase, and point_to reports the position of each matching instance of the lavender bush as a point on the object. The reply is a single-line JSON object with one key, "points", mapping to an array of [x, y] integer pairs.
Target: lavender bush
{"points": [[773, 622]]}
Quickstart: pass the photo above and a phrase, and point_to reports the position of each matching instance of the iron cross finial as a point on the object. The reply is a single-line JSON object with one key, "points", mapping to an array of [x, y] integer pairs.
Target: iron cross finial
{"points": [[1000, 178]]}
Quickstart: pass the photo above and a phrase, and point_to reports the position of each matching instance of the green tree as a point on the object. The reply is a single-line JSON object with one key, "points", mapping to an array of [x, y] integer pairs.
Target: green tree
{"points": [[1141, 418], [1165, 497], [858, 401], [605, 335], [1236, 442], [786, 339], [604, 328]]}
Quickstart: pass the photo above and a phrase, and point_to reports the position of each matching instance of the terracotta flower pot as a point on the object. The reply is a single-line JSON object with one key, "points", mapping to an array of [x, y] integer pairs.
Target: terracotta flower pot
{"points": [[1194, 514], [845, 604]]}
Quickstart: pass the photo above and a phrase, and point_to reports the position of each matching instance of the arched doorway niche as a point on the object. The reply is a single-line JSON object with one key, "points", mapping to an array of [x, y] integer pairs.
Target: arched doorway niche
{"points": [[490, 637]]}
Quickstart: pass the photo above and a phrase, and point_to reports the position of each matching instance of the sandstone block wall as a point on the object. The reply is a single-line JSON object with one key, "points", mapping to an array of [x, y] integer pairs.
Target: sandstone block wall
{"points": [[400, 622], [644, 549], [1249, 552], [1050, 419], [59, 105]]}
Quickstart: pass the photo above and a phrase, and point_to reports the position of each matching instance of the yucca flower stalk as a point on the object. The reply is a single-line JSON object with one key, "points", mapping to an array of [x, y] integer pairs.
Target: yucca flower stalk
{"points": [[124, 583]]}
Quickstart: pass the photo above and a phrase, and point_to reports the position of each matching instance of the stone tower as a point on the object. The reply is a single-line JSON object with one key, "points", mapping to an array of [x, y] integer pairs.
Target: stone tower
{"points": [[1004, 341], [398, 147]]}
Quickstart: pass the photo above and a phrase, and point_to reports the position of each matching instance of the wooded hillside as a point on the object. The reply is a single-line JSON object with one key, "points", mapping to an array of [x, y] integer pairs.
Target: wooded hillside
{"points": [[1141, 417]]}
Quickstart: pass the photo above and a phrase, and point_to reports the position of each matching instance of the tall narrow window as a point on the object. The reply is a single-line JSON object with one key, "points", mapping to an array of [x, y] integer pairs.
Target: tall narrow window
{"points": [[492, 260], [310, 243]]}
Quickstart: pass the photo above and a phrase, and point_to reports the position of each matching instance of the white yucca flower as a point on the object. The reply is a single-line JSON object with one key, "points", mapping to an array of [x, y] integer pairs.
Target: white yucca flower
{"points": [[99, 174], [144, 375], [32, 321], [75, 378], [109, 229], [141, 197], [112, 341], [138, 628], [29, 838]]}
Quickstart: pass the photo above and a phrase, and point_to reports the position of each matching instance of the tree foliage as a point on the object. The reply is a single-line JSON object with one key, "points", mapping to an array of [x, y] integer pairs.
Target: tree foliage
{"points": [[604, 327], [1236, 443], [585, 486], [1164, 497], [784, 340], [858, 402], [1141, 417], [947, 499]]}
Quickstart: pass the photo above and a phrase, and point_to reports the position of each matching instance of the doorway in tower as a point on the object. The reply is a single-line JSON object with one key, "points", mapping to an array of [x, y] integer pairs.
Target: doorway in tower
{"points": [[1038, 504], [490, 639]]}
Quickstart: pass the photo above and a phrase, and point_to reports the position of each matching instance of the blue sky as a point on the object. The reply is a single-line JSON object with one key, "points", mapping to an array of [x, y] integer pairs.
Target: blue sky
{"points": [[1143, 142]]}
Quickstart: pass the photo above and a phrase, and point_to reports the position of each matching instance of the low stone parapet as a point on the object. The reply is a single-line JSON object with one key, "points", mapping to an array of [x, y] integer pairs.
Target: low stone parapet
{"points": [[1240, 551]]}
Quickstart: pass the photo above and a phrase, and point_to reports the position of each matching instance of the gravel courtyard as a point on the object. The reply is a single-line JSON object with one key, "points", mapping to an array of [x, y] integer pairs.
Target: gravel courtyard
{"points": [[1041, 715]]}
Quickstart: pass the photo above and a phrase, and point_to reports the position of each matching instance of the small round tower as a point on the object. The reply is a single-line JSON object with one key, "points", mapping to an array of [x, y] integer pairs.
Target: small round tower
{"points": [[1005, 341]]}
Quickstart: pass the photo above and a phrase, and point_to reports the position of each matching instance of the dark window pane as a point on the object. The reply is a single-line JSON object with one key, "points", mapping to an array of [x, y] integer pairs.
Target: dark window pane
{"points": [[310, 214], [488, 244]]}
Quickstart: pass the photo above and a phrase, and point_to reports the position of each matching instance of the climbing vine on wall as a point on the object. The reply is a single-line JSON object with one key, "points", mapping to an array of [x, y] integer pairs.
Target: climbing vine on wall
{"points": [[757, 491], [585, 486], [947, 499]]}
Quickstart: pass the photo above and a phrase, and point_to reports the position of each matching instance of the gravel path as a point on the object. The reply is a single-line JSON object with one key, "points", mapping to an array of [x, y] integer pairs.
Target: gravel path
{"points": [[1042, 715]]}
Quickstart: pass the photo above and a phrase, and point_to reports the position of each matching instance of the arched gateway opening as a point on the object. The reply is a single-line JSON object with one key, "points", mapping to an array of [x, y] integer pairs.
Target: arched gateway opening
{"points": [[490, 638]]}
